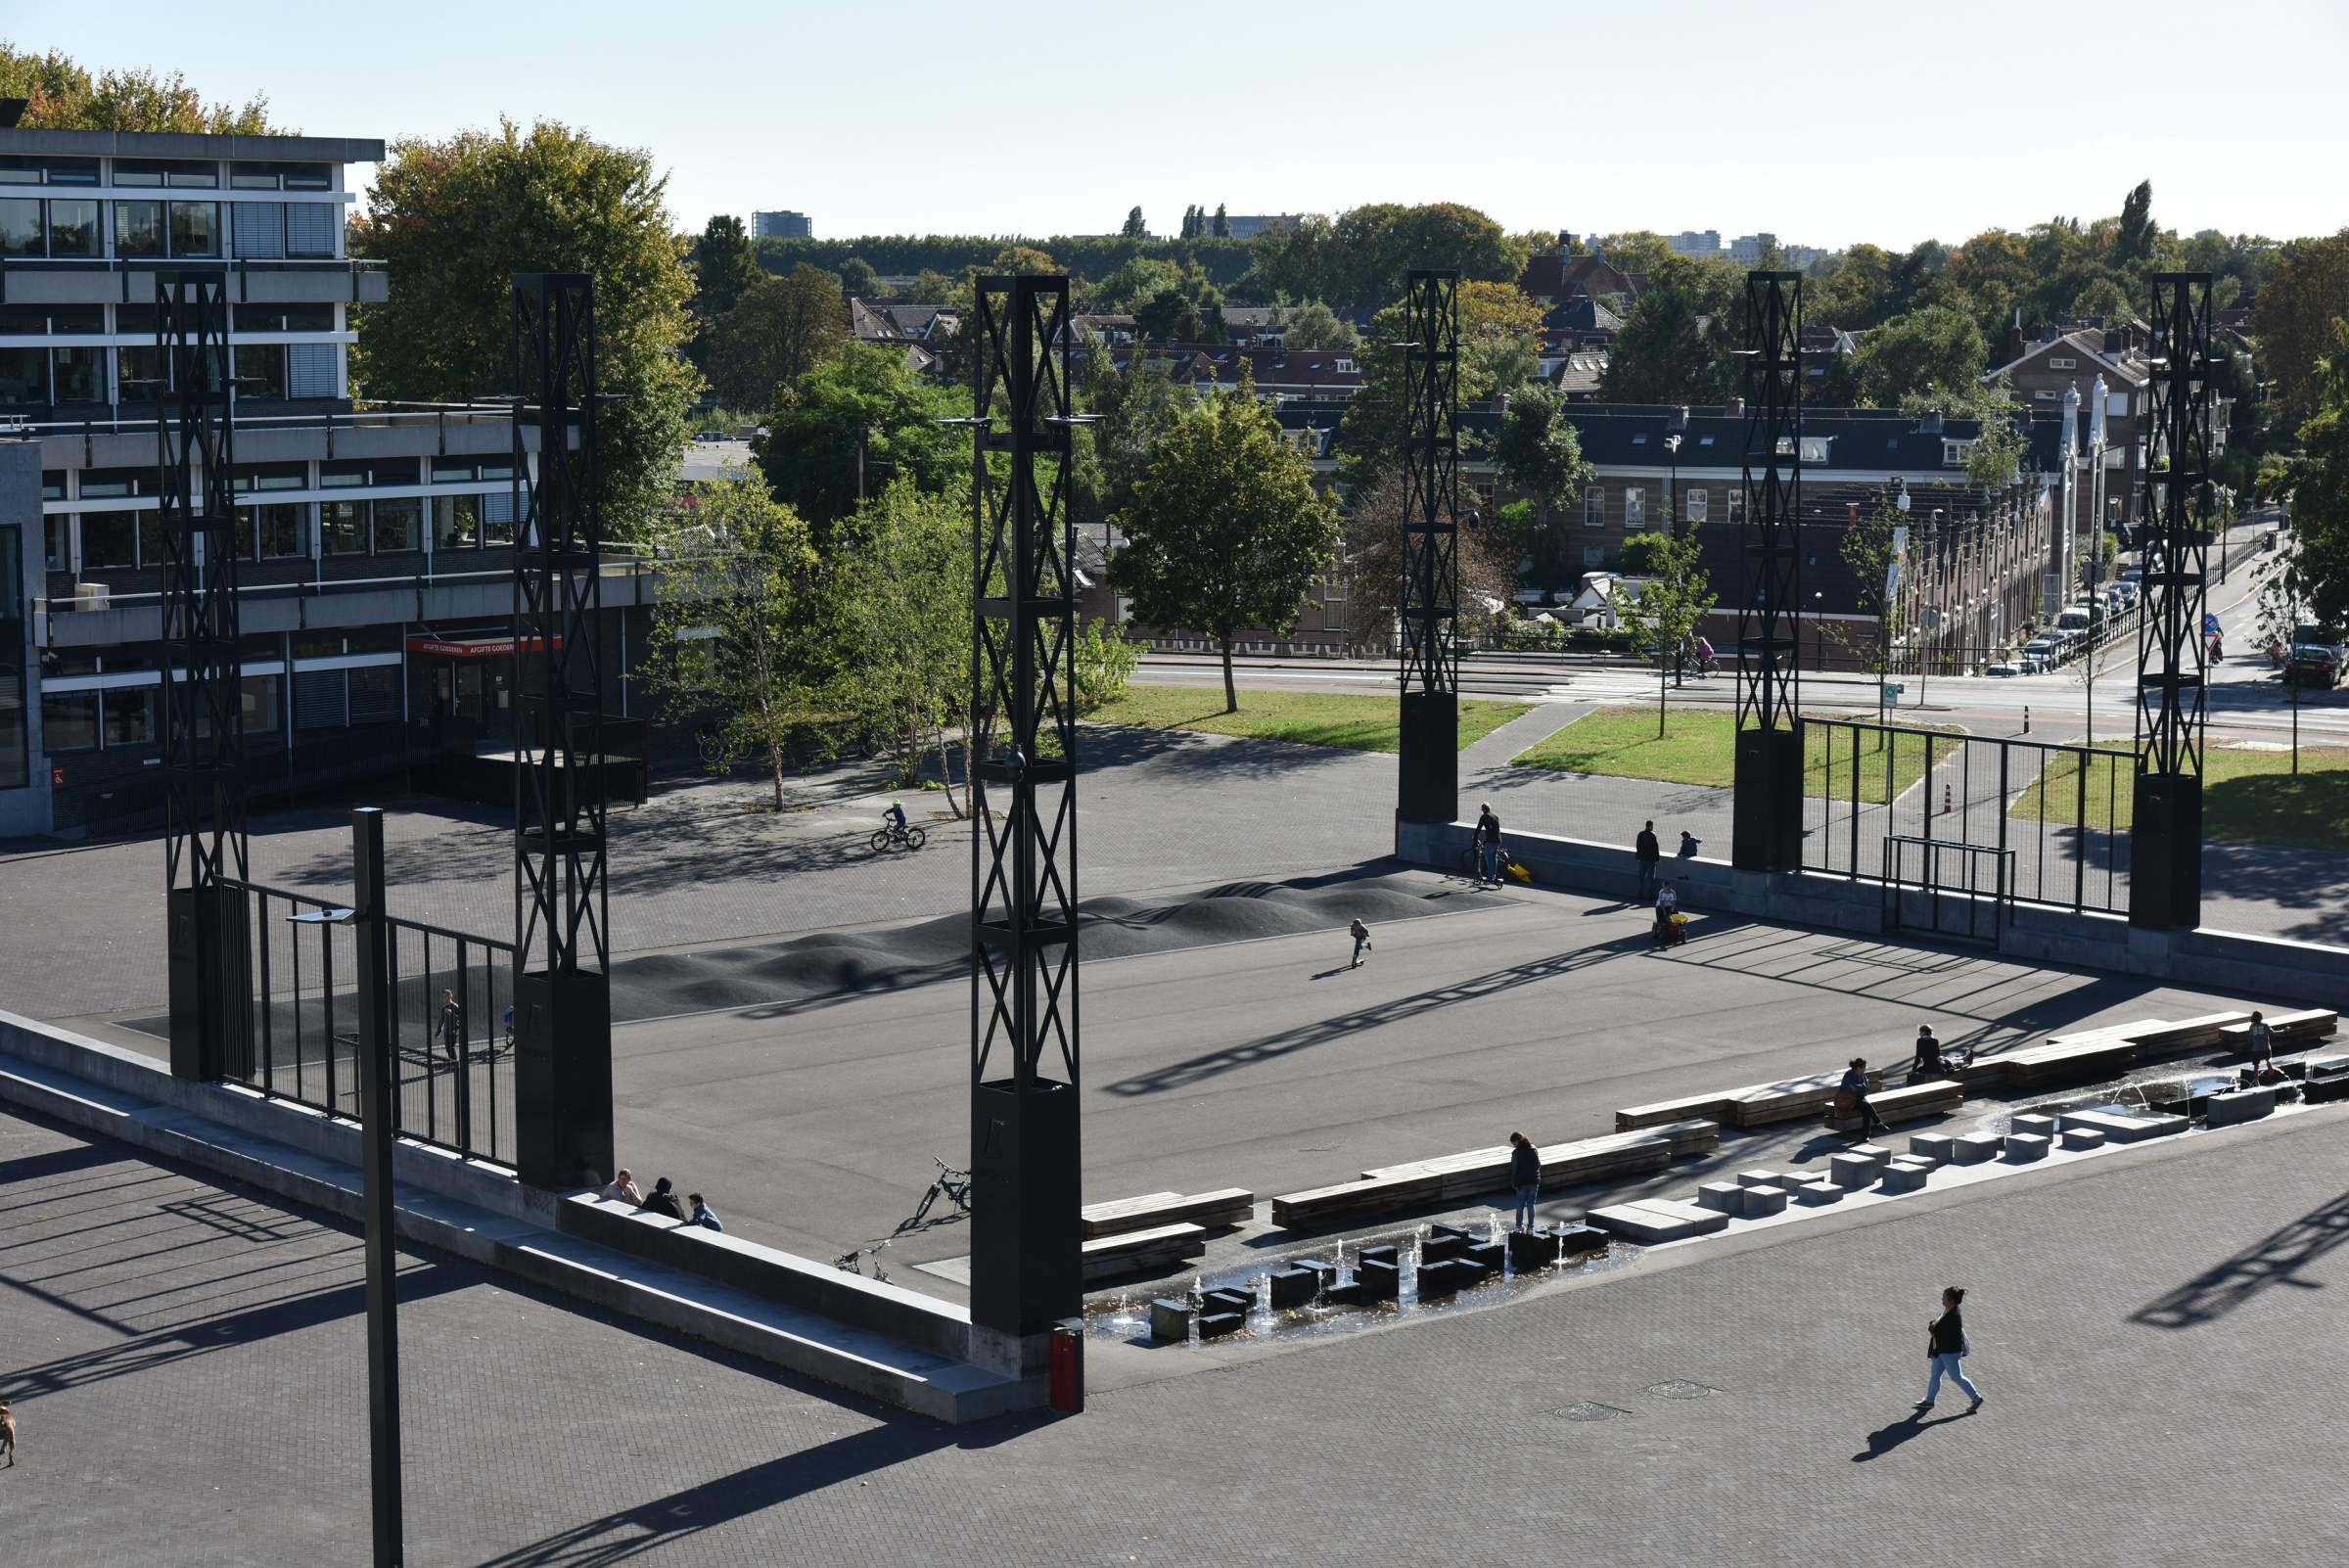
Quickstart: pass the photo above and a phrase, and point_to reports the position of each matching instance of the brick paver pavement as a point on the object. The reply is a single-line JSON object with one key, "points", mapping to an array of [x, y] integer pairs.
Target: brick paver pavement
{"points": [[2156, 1331]]}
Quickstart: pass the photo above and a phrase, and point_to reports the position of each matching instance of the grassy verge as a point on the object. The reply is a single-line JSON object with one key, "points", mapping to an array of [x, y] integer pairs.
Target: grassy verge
{"points": [[1700, 747], [2248, 795], [1307, 718]]}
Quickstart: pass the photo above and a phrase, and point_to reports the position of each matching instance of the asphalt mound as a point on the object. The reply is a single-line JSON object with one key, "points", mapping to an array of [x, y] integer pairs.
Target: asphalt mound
{"points": [[830, 964]]}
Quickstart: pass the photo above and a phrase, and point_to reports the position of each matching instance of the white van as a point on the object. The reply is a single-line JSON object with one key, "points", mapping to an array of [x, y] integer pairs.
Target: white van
{"points": [[2075, 618]]}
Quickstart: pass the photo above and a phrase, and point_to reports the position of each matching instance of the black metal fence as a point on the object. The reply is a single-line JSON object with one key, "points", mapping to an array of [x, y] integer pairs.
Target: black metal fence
{"points": [[452, 1019], [2060, 812]]}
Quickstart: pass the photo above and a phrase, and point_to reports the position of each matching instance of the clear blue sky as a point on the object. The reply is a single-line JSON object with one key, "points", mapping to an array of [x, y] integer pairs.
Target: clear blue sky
{"points": [[1898, 121]]}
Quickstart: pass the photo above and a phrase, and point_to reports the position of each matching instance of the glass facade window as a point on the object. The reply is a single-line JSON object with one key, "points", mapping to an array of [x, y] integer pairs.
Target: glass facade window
{"points": [[154, 549], [139, 231], [399, 524], [80, 375], [107, 539], [57, 545], [16, 735], [456, 521], [343, 528], [139, 372], [110, 482], [74, 229], [454, 469], [272, 475], [23, 375], [130, 173], [68, 722], [191, 176], [195, 228], [258, 699], [19, 227], [130, 716], [260, 370], [280, 530], [23, 321]]}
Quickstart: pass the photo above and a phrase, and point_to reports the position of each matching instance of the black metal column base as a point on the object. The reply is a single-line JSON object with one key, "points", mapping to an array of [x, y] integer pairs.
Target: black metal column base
{"points": [[1428, 765], [195, 1045], [1766, 819], [2165, 853], [1025, 1264], [563, 1078]]}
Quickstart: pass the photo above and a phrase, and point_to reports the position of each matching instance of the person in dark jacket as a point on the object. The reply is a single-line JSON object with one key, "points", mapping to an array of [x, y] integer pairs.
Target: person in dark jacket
{"points": [[1647, 852], [1947, 1345], [701, 1214], [1525, 1174], [662, 1201], [1487, 847], [453, 1022], [1928, 1054], [1361, 942], [1855, 1083]]}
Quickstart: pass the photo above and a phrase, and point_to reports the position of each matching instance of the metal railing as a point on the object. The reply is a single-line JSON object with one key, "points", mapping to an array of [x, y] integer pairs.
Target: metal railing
{"points": [[1922, 866], [451, 1018], [2062, 810]]}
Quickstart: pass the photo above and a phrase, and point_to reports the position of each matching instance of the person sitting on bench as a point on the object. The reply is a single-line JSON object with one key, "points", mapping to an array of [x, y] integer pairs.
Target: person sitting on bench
{"points": [[1928, 1055], [1852, 1097]]}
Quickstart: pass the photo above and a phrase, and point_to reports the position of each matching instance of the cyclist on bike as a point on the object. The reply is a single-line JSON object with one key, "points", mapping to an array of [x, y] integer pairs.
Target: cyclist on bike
{"points": [[896, 818]]}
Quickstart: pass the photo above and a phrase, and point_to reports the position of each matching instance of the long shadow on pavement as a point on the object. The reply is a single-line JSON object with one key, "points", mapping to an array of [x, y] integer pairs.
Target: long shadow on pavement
{"points": [[1884, 1439], [2274, 1260]]}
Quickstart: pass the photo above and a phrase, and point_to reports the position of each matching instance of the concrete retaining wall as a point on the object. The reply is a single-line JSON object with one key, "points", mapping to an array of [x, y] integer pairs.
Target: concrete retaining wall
{"points": [[2270, 969], [924, 1323]]}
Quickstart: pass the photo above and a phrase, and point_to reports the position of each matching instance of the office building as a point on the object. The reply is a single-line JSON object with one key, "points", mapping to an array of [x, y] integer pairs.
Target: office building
{"points": [[374, 545], [781, 226]]}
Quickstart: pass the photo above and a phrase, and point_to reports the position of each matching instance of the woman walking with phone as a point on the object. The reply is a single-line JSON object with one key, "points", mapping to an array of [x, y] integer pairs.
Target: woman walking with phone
{"points": [[1947, 1347]]}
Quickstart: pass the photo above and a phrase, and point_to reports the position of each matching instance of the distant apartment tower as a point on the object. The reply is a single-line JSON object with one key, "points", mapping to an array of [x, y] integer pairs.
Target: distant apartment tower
{"points": [[1746, 250], [781, 226], [1697, 242]]}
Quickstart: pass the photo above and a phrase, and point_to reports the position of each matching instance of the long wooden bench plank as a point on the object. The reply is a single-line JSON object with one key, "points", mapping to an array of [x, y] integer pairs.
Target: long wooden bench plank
{"points": [[1791, 1100], [1714, 1107], [1392, 1187], [2284, 1028], [1226, 1206], [1137, 1250], [1913, 1102]]}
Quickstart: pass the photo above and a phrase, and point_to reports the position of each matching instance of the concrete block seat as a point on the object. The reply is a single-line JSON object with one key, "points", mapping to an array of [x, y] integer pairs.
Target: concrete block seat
{"points": [[2080, 1138], [1905, 1176], [1137, 1251], [2119, 1127], [1232, 1206], [1940, 1147], [1293, 1287], [2236, 1106], [1169, 1321], [1976, 1148], [1720, 1196], [1817, 1194], [2025, 1146], [1658, 1219], [1758, 1203]]}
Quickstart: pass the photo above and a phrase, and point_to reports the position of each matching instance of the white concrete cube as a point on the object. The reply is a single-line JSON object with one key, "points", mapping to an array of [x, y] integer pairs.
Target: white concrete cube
{"points": [[1940, 1147], [2021, 1146], [2083, 1137], [1875, 1153], [1853, 1170], [1903, 1176], [2237, 1106], [1720, 1195], [2043, 1126], [1756, 1202], [1759, 1178], [1813, 1194], [1975, 1148]]}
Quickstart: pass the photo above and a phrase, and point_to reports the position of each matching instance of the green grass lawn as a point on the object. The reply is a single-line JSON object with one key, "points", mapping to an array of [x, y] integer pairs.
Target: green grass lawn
{"points": [[1700, 747], [2248, 795], [1308, 717]]}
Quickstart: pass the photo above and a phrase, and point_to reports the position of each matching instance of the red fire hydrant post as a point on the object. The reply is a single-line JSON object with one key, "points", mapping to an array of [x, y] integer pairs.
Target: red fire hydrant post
{"points": [[1064, 1379]]}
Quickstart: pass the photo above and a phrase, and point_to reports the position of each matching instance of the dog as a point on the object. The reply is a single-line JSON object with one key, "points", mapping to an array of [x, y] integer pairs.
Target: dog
{"points": [[8, 1433]]}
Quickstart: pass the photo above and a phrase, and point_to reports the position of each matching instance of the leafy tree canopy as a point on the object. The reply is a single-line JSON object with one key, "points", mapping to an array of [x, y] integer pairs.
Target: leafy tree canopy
{"points": [[809, 452], [66, 96]]}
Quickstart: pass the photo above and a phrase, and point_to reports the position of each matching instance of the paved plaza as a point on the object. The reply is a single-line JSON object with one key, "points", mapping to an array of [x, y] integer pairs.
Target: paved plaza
{"points": [[2152, 1330]]}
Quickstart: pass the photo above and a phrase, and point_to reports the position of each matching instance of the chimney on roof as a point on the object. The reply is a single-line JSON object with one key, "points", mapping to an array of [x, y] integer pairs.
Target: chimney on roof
{"points": [[2116, 341], [1930, 424], [1565, 244]]}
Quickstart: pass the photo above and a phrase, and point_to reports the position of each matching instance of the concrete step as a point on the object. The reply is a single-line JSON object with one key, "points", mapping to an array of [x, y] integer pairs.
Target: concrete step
{"points": [[800, 1341]]}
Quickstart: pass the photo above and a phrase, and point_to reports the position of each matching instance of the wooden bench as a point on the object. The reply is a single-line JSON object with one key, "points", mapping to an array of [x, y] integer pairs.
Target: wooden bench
{"points": [[1714, 1107], [1913, 1103], [2187, 1034], [1457, 1176], [1755, 1105], [2284, 1028], [1230, 1206], [1138, 1252], [2070, 1059]]}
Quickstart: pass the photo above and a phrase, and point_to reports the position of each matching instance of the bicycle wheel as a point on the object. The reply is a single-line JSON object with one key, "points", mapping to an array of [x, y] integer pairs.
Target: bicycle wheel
{"points": [[879, 841], [915, 838]]}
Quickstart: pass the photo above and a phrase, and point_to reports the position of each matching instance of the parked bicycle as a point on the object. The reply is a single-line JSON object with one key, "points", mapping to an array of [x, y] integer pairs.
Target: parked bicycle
{"points": [[889, 836], [953, 1183]]}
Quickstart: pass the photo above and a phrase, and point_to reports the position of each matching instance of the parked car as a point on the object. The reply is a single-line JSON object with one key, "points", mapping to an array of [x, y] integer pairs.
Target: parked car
{"points": [[2042, 652], [2314, 658], [2004, 670], [2075, 618]]}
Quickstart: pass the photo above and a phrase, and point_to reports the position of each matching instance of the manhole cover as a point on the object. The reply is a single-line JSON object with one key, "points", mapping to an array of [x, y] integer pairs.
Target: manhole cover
{"points": [[1591, 1410], [1679, 1388]]}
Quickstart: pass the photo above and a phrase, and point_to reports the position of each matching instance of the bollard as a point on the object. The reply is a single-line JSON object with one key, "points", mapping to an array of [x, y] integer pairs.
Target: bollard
{"points": [[1066, 1369], [1945, 800], [2026, 718]]}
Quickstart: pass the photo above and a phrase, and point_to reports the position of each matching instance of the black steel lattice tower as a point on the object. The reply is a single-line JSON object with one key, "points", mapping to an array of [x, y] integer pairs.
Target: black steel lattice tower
{"points": [[204, 838], [1766, 833], [563, 1036], [1025, 1236], [1428, 762], [2165, 836]]}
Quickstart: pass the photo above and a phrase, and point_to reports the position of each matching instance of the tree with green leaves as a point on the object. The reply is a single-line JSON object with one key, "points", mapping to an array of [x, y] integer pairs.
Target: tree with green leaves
{"points": [[776, 333], [1934, 351], [1542, 467], [1501, 342], [2133, 242], [1669, 604], [1676, 341], [1362, 258], [1371, 558], [1221, 228], [2305, 296], [2317, 481], [723, 266], [859, 280], [1168, 316], [1134, 407], [811, 451], [62, 94], [1106, 660], [1314, 325], [1868, 548], [1135, 228], [1996, 454], [2101, 301], [735, 647], [931, 289], [454, 220], [1227, 529], [901, 581]]}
